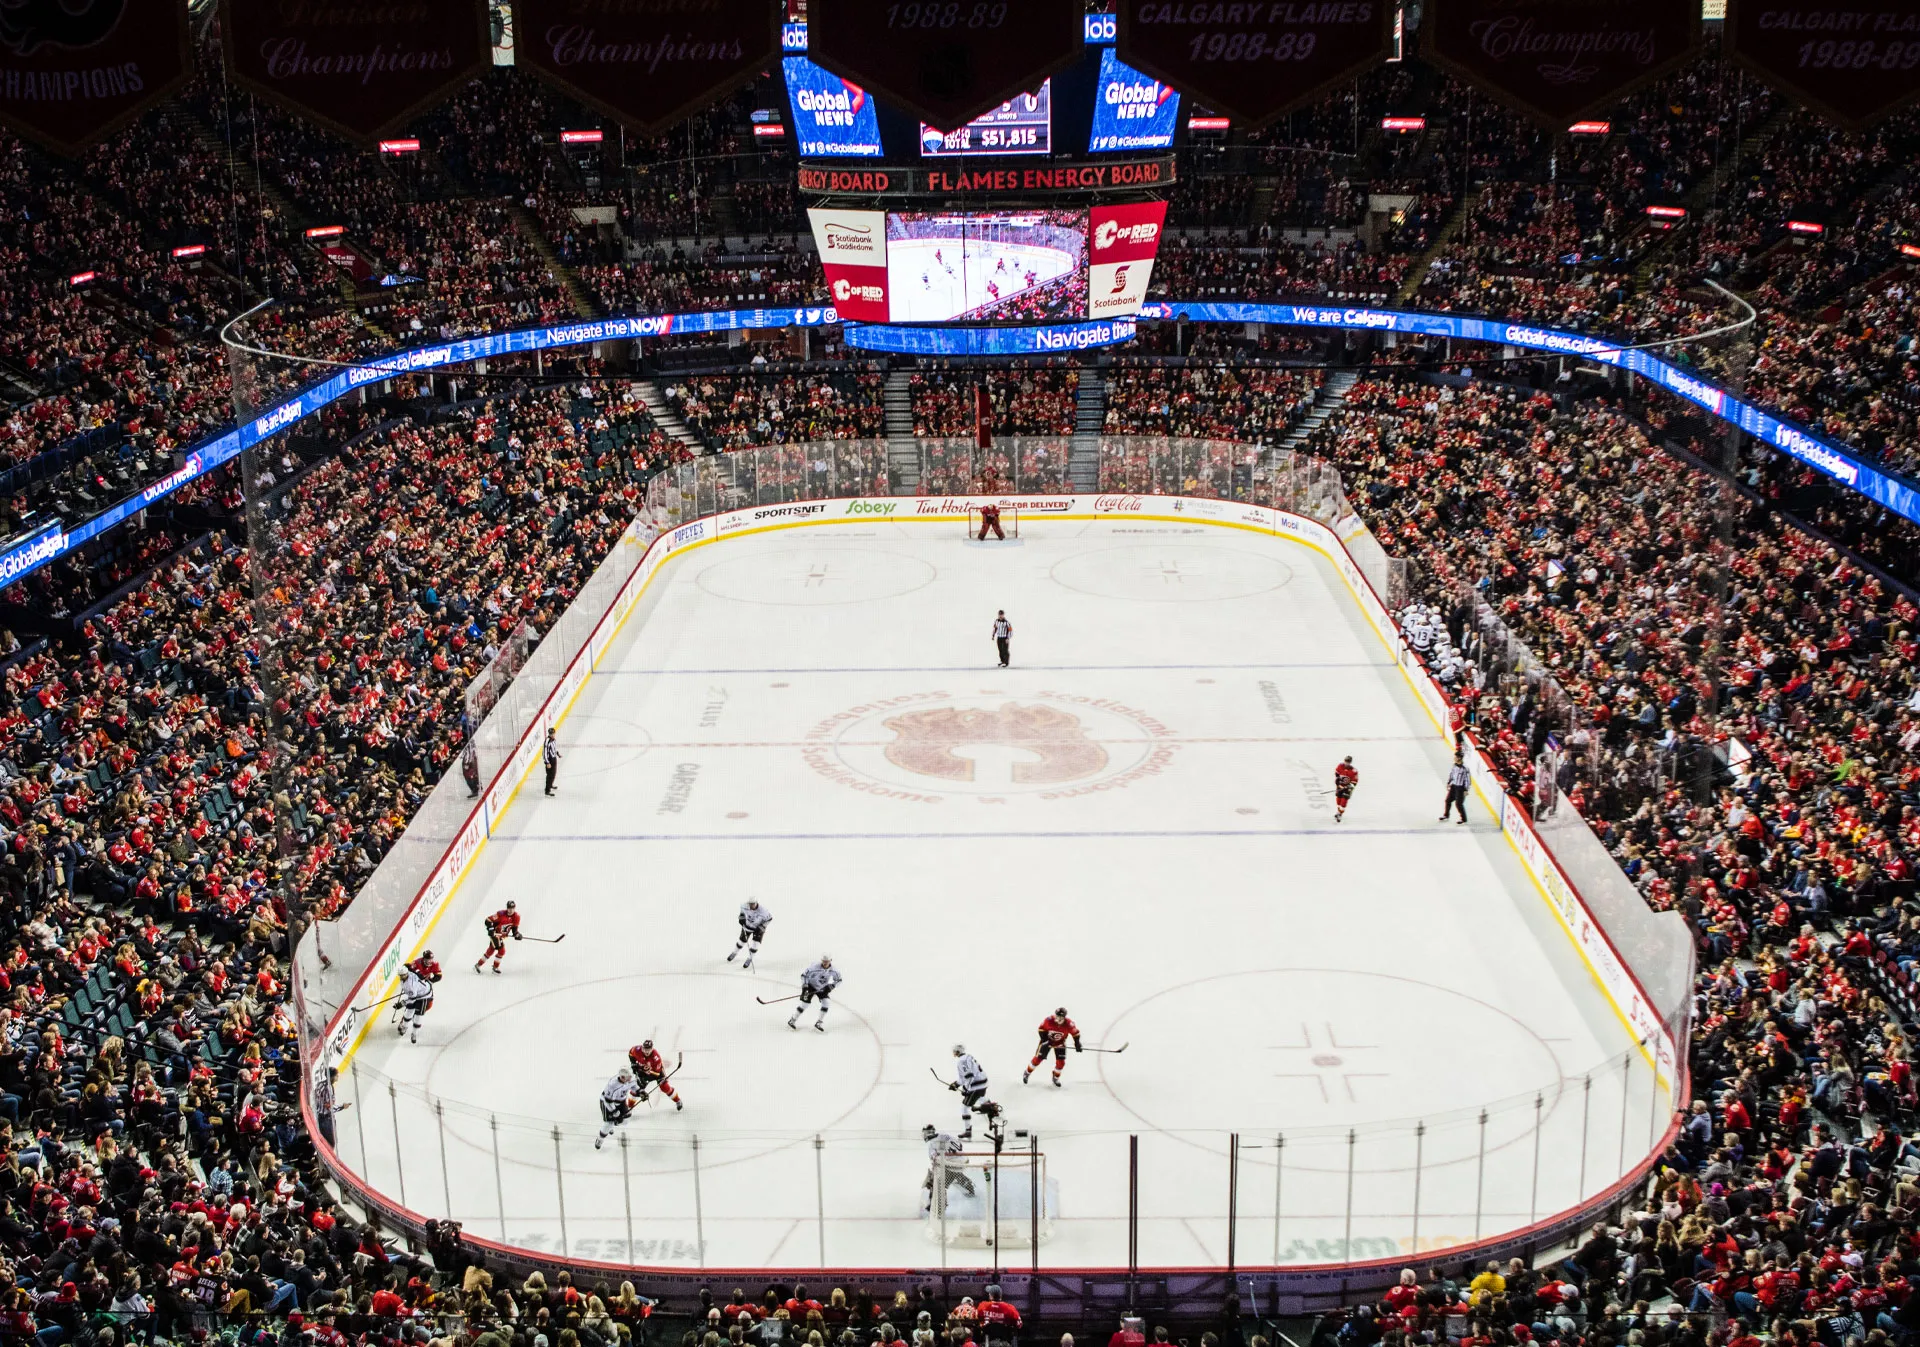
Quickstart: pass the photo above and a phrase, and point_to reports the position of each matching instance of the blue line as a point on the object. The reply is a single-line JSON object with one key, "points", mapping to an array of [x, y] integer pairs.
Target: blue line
{"points": [[990, 669], [1331, 830]]}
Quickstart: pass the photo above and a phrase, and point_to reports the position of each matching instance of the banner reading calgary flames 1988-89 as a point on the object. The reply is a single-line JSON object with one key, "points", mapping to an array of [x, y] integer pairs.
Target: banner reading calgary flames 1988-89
{"points": [[649, 63], [359, 68], [71, 71]]}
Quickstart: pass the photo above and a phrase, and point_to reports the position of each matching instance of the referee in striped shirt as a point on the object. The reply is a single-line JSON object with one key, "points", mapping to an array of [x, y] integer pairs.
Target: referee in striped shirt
{"points": [[1457, 781]]}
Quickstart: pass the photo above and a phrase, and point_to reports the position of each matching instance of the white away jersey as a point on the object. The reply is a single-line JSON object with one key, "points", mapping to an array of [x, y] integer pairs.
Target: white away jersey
{"points": [[942, 1144], [820, 980], [971, 1075], [755, 918], [414, 987], [617, 1092]]}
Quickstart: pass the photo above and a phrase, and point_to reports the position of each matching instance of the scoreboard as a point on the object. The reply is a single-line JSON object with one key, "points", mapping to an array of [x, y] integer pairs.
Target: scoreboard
{"points": [[1021, 125]]}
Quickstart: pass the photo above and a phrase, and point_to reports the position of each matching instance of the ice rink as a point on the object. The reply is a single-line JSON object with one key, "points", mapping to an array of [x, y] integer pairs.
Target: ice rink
{"points": [[921, 288], [1135, 821]]}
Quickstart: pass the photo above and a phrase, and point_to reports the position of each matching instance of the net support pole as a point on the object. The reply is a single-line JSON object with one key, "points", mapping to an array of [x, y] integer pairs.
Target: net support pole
{"points": [[440, 1128], [399, 1164], [626, 1192], [820, 1194], [360, 1117], [560, 1187], [1233, 1199], [1626, 1081], [699, 1211], [1586, 1113], [499, 1188], [1034, 1189], [1279, 1174], [1480, 1176], [1653, 1104], [1419, 1168], [1133, 1215], [1533, 1194], [1353, 1140]]}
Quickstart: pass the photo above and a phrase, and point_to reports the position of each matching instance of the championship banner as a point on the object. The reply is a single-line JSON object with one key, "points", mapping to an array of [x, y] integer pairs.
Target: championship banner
{"points": [[648, 63], [1560, 60], [356, 68], [1255, 61], [1122, 245], [74, 71], [947, 63], [1852, 61], [853, 252]]}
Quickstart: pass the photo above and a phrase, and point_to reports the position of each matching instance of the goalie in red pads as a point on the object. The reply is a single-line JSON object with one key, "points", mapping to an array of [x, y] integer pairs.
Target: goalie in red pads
{"points": [[990, 519], [1055, 1030], [504, 923], [651, 1071]]}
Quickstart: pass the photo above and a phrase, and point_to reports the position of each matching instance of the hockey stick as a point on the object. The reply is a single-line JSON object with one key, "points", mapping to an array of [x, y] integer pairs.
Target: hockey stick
{"points": [[1115, 1051], [546, 939], [377, 1004], [777, 1000], [951, 1085]]}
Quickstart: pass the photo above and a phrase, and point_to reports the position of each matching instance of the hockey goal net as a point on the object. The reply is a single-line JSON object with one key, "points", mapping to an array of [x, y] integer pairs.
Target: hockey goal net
{"points": [[973, 1201], [1009, 522]]}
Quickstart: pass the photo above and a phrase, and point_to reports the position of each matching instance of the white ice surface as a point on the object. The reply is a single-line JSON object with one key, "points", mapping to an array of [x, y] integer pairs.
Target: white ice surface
{"points": [[1180, 886]]}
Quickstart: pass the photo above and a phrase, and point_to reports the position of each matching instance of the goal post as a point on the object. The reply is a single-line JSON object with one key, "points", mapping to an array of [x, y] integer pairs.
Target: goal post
{"points": [[977, 1201], [1009, 522]]}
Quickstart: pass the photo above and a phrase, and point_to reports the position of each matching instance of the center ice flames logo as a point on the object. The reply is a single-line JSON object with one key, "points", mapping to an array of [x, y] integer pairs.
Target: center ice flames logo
{"points": [[938, 748], [926, 742]]}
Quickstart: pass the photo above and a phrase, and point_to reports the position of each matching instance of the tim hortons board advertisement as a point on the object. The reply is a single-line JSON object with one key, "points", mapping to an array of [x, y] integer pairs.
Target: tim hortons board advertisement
{"points": [[853, 252], [1254, 62], [360, 69], [1560, 60], [647, 62], [1853, 61], [71, 71], [1122, 243]]}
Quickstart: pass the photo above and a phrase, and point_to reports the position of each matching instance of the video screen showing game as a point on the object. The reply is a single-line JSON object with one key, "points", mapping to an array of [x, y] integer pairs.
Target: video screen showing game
{"points": [[999, 266]]}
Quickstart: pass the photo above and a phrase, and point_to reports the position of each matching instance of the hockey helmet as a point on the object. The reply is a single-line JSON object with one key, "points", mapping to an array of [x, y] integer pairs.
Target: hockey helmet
{"points": [[646, 1045], [826, 961], [753, 902], [511, 905], [625, 1074], [959, 1050], [928, 1133], [425, 954], [1061, 1012]]}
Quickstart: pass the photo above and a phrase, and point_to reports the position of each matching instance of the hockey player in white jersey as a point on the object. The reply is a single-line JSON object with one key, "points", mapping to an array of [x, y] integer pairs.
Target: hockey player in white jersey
{"points": [[943, 1172], [970, 1079], [816, 984], [416, 993], [754, 920], [617, 1103]]}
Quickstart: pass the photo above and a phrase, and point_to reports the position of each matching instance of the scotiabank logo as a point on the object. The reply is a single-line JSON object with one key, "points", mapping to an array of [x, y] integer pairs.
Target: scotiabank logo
{"points": [[1120, 279], [844, 290], [1110, 233], [845, 238]]}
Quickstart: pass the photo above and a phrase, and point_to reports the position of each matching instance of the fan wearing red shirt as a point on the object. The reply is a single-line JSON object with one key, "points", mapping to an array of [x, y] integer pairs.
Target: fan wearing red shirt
{"points": [[998, 1319], [1055, 1030], [500, 925]]}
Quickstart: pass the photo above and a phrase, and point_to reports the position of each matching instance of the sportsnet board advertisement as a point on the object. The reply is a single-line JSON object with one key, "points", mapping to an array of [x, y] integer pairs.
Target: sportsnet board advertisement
{"points": [[359, 69], [72, 71], [647, 62], [1131, 111], [1558, 61], [853, 253], [833, 118], [1122, 243], [1853, 62]]}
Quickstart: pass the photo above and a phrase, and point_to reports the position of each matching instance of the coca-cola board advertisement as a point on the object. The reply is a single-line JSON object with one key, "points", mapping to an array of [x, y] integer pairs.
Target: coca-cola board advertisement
{"points": [[1853, 61], [359, 69], [946, 63], [1255, 61], [1560, 60], [1122, 243], [72, 71], [853, 251], [648, 63]]}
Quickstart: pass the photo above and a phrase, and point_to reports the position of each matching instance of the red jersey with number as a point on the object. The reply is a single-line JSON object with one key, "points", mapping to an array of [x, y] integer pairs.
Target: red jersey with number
{"points": [[1057, 1030], [646, 1061], [503, 923], [426, 968], [1345, 778]]}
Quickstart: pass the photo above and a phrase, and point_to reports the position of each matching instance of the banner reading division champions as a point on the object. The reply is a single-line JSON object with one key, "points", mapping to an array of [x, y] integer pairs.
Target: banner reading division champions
{"points": [[71, 71]]}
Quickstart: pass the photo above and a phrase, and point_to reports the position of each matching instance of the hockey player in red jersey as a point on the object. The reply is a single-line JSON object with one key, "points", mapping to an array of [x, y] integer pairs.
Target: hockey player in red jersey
{"points": [[651, 1071], [500, 925], [1055, 1030], [1345, 778]]}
